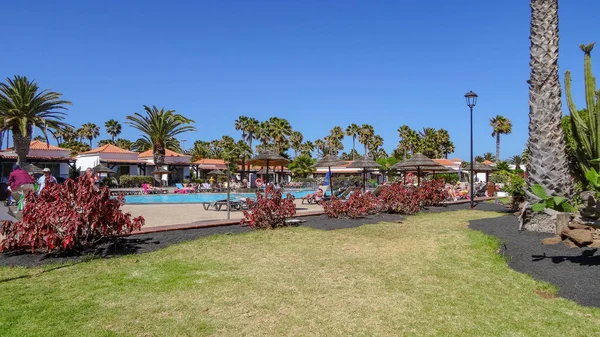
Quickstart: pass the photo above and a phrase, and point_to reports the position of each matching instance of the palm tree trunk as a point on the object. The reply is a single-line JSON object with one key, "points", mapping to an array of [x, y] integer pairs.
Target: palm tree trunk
{"points": [[497, 147], [21, 143], [2, 138], [353, 146], [547, 165]]}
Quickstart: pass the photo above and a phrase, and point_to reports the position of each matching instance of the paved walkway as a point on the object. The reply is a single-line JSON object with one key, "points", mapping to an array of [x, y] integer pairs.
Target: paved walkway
{"points": [[161, 215]]}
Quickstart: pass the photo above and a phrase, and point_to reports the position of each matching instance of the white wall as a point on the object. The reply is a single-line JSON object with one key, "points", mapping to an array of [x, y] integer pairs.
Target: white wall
{"points": [[87, 161]]}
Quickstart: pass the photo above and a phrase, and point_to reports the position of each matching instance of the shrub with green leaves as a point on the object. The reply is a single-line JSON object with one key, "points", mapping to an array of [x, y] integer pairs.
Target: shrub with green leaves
{"points": [[135, 181], [556, 203], [516, 189]]}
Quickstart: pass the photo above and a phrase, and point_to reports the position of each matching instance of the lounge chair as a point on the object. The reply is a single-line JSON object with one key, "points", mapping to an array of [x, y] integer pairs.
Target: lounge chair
{"points": [[183, 189], [313, 198], [218, 205]]}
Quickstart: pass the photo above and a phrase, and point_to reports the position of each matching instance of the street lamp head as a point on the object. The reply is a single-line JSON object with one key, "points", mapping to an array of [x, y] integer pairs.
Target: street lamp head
{"points": [[471, 98]]}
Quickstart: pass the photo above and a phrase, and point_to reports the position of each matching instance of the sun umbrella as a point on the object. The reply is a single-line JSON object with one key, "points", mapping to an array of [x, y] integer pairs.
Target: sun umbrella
{"points": [[101, 168], [420, 162], [161, 171], [32, 169], [479, 167], [329, 161], [216, 172], [267, 158], [365, 163]]}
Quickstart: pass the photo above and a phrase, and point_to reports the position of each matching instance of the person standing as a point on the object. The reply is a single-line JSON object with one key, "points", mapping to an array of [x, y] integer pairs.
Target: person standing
{"points": [[46, 178], [20, 182]]}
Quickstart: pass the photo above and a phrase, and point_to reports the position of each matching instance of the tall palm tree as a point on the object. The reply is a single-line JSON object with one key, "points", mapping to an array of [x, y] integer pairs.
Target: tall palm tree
{"points": [[279, 129], [241, 124], [113, 128], [307, 148], [252, 126], [159, 128], [365, 134], [296, 139], [334, 140], [548, 163], [375, 145], [91, 131], [353, 131], [446, 145], [501, 126], [488, 156], [24, 107]]}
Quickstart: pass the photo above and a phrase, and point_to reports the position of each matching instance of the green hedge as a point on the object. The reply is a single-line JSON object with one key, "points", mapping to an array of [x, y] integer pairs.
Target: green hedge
{"points": [[135, 181]]}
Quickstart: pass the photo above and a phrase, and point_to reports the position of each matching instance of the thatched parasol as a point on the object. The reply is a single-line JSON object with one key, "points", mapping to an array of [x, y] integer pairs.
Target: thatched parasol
{"points": [[161, 171], [264, 170], [365, 163], [479, 167], [216, 172], [32, 169], [101, 168], [266, 158], [329, 161], [420, 162]]}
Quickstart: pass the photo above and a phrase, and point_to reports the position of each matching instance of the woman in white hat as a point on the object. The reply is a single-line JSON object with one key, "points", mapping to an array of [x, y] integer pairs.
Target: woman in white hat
{"points": [[47, 177]]}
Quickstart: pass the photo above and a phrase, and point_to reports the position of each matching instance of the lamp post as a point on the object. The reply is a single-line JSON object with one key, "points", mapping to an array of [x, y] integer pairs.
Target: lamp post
{"points": [[471, 98]]}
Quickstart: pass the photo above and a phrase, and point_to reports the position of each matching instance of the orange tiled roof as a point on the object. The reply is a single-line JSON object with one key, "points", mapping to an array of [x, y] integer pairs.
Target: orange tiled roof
{"points": [[487, 162], [456, 159], [168, 153], [445, 162], [210, 161], [108, 148], [38, 145]]}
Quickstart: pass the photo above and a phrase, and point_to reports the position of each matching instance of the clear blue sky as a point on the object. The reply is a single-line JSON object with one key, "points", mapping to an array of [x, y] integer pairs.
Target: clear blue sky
{"points": [[316, 63]]}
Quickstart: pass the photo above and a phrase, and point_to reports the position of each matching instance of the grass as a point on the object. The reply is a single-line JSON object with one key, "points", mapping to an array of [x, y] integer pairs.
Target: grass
{"points": [[502, 200], [427, 276]]}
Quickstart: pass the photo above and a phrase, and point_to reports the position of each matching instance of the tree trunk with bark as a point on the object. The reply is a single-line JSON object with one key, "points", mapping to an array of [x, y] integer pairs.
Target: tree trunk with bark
{"points": [[547, 163], [21, 143], [497, 148]]}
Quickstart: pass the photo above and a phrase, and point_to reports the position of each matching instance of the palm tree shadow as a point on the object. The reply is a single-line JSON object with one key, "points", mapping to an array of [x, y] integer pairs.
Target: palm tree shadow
{"points": [[587, 258]]}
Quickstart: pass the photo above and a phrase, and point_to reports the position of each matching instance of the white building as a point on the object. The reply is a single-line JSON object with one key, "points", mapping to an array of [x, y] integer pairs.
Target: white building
{"points": [[42, 155], [121, 161], [176, 163]]}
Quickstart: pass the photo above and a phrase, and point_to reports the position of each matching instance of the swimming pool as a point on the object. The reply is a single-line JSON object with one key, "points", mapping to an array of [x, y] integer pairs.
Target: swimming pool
{"points": [[193, 197]]}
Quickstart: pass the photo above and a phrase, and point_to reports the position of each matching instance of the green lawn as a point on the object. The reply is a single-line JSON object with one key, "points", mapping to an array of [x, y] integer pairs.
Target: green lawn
{"points": [[427, 276]]}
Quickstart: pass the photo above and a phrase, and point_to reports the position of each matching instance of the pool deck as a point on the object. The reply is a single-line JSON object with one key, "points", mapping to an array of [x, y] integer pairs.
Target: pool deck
{"points": [[160, 217]]}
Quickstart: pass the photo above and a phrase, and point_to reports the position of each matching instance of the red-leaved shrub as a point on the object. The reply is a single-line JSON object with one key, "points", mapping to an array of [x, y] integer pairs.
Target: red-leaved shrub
{"points": [[398, 198], [358, 205], [432, 192], [269, 210], [65, 216]]}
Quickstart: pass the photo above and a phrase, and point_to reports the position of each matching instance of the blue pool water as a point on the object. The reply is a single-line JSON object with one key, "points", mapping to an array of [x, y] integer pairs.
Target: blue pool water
{"points": [[193, 197]]}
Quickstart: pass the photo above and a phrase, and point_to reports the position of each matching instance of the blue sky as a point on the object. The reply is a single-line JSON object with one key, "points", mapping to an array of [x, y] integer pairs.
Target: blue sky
{"points": [[316, 63]]}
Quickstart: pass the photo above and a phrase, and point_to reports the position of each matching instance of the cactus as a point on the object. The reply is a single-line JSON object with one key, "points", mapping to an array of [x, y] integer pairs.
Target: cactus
{"points": [[585, 124]]}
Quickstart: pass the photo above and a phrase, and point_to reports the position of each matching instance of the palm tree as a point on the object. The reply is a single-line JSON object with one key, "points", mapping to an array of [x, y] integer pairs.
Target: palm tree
{"points": [[302, 166], [353, 131], [307, 148], [517, 161], [374, 146], [547, 163], [113, 128], [488, 156], [501, 126], [242, 124], [365, 134], [296, 139], [446, 145], [478, 159], [278, 130], [334, 140], [159, 128], [91, 131], [321, 147], [24, 107]]}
